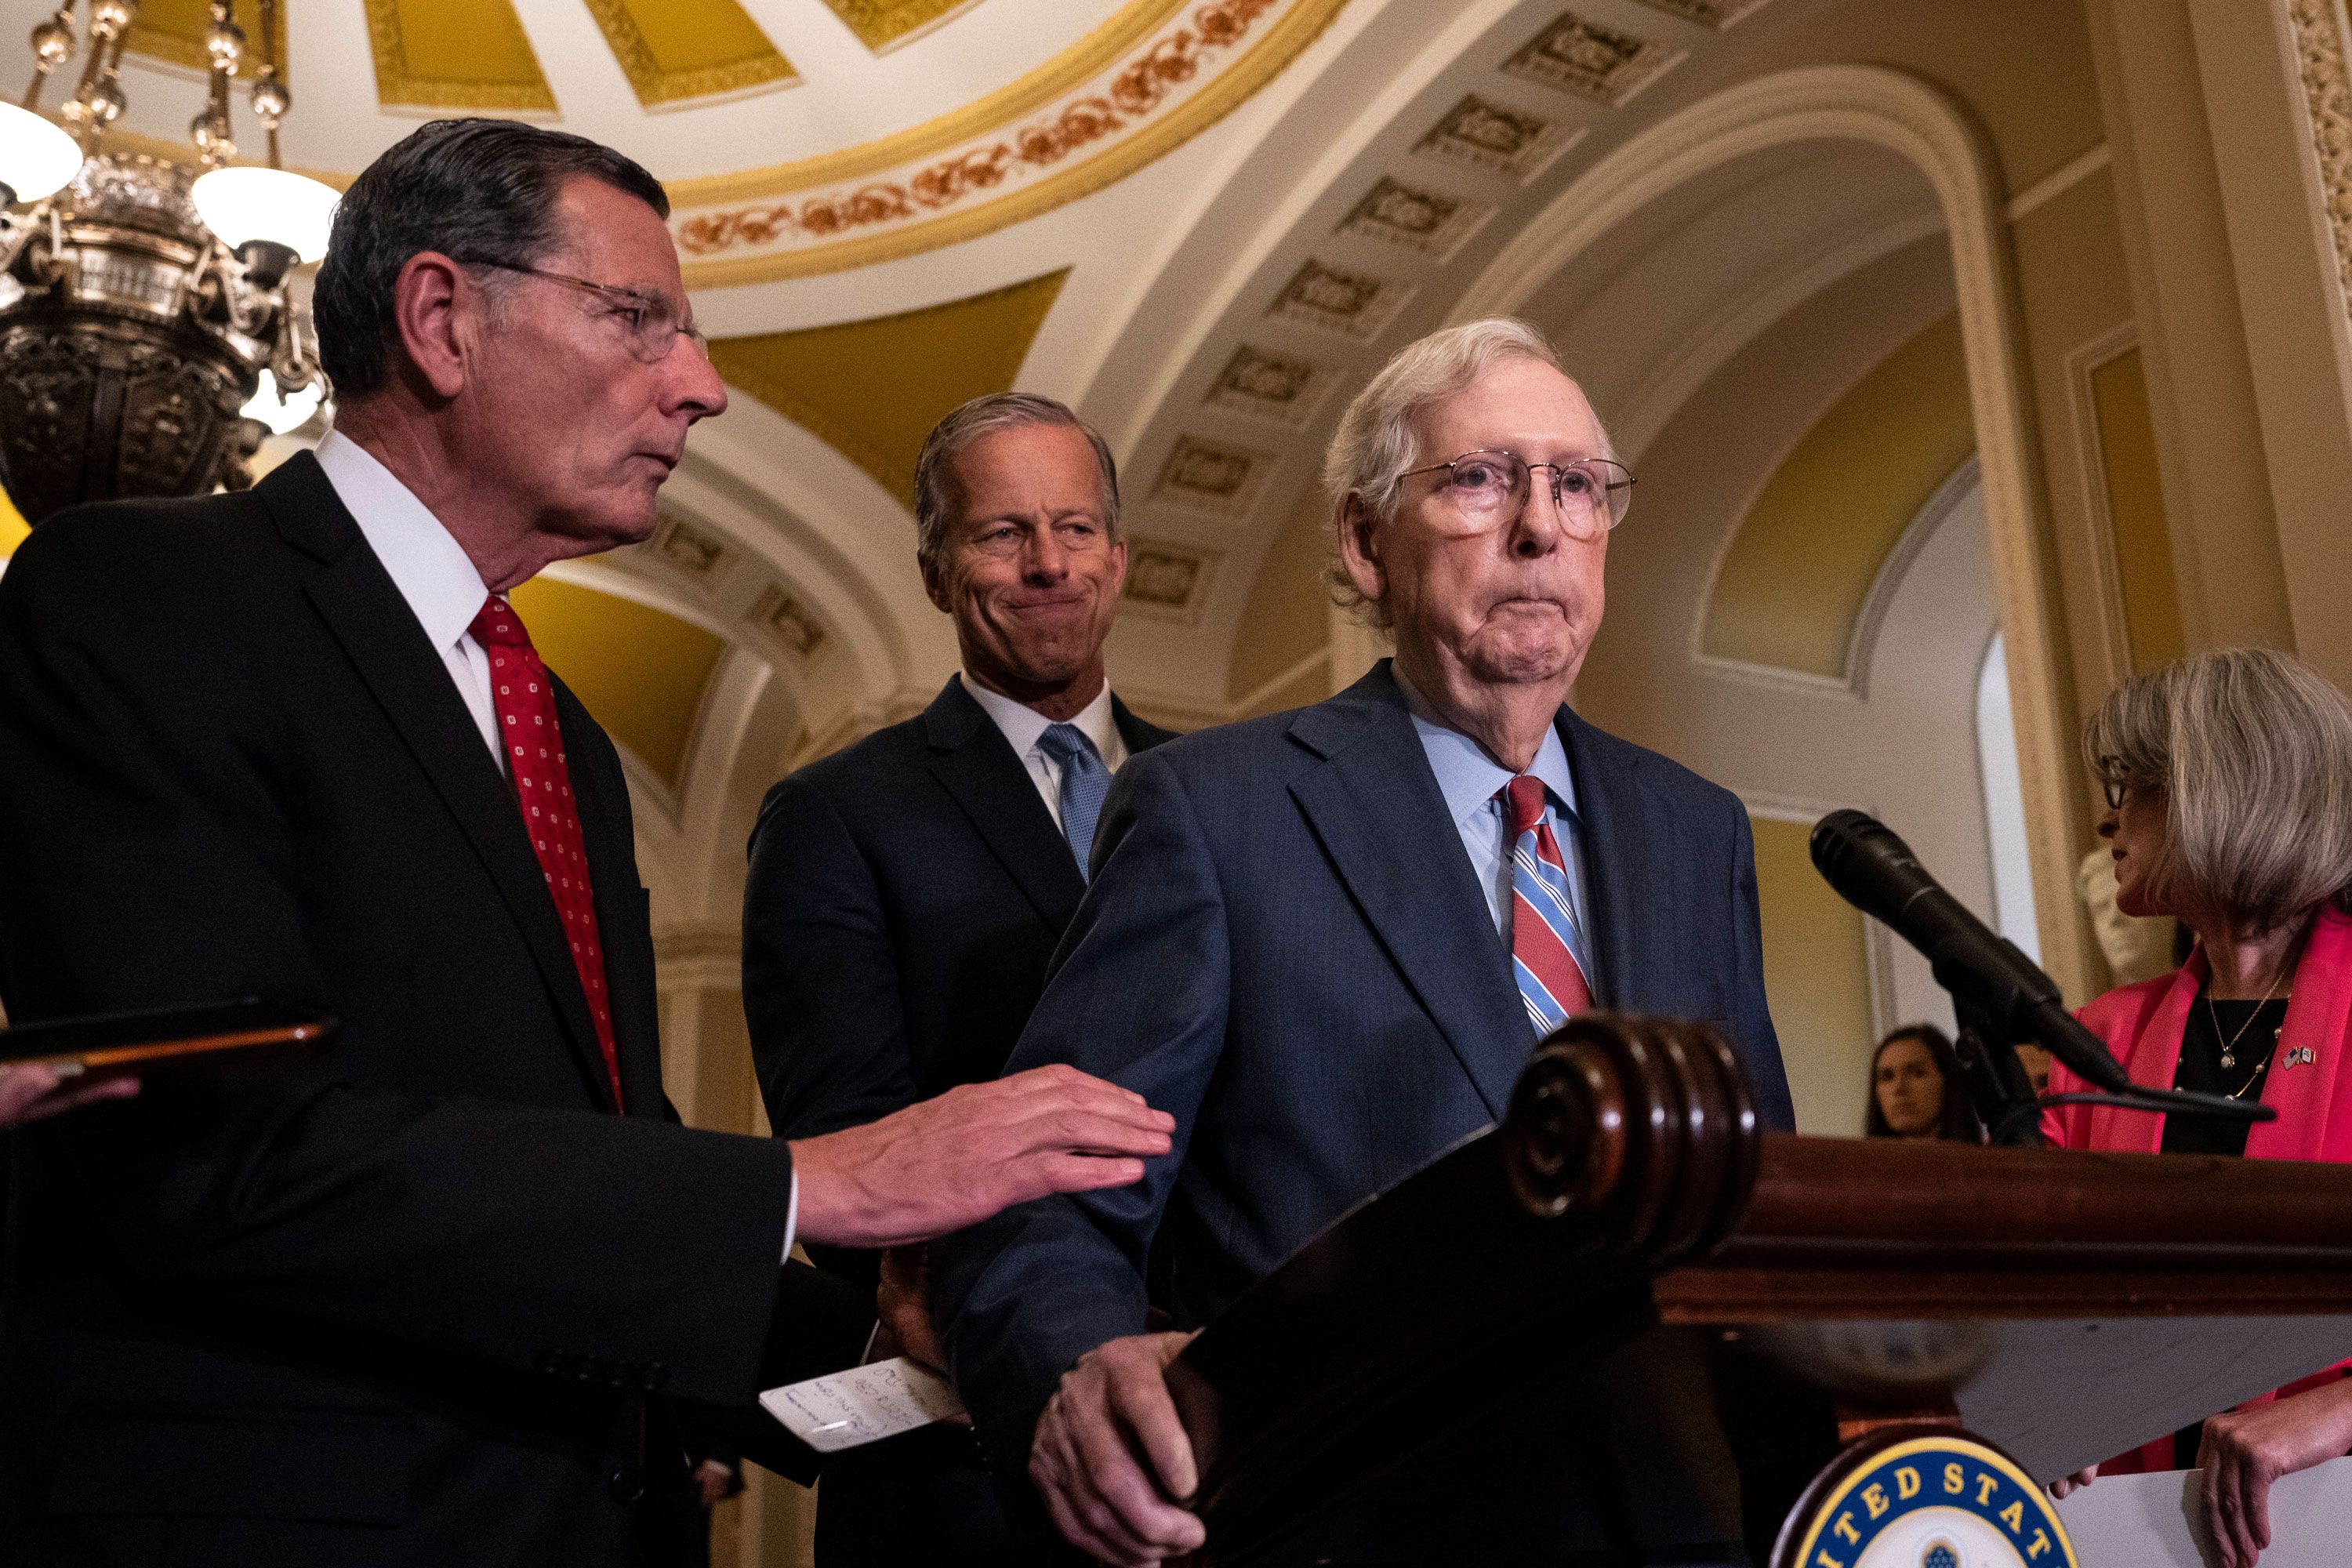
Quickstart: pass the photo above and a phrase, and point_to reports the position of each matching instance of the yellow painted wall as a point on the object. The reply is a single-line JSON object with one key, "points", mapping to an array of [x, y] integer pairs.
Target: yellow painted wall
{"points": [[640, 672], [12, 526], [1817, 978], [873, 389], [1792, 585], [2143, 541], [1288, 615]]}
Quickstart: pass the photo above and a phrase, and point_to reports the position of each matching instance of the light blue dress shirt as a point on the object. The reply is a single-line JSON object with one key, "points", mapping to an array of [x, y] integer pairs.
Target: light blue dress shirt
{"points": [[1469, 780]]}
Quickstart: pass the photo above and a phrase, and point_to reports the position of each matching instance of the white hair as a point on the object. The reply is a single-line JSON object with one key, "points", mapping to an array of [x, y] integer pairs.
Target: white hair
{"points": [[1376, 443]]}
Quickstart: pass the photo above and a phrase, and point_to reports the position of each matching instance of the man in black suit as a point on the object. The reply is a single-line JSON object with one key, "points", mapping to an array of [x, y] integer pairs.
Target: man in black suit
{"points": [[453, 1290], [905, 893], [1328, 941]]}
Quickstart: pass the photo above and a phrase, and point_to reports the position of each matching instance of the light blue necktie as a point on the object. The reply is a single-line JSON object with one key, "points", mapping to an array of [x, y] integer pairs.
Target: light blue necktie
{"points": [[1084, 782]]}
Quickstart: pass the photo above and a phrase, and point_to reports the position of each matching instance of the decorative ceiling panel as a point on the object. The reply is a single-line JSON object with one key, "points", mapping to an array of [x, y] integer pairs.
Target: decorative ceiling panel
{"points": [[873, 389], [1480, 134], [885, 24], [676, 50], [1575, 54], [454, 54]]}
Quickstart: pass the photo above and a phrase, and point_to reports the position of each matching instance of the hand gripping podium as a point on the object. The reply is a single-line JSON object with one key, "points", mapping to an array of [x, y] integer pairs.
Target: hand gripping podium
{"points": [[1891, 1339]]}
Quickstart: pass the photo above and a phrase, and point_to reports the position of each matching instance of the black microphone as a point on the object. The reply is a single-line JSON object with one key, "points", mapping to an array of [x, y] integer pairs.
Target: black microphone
{"points": [[1875, 871]]}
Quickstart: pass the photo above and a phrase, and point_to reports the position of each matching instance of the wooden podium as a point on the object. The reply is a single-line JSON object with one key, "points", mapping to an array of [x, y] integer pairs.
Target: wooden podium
{"points": [[2066, 1307]]}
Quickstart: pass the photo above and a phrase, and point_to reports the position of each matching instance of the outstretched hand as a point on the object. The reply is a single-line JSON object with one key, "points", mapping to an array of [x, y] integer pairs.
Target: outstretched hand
{"points": [[953, 1161], [31, 1091]]}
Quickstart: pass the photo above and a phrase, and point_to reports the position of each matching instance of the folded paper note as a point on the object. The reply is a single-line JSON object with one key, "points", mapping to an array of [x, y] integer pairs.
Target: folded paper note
{"points": [[864, 1405]]}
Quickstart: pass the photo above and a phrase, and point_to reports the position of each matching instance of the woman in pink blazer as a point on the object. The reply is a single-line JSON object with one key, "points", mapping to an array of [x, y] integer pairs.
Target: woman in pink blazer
{"points": [[2229, 786]]}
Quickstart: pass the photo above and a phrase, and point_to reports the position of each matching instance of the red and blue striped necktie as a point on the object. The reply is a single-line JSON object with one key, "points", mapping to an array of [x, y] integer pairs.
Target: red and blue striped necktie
{"points": [[1551, 982]]}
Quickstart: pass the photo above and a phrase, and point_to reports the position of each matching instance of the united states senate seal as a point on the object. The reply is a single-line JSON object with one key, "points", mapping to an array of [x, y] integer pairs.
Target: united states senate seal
{"points": [[1923, 1496]]}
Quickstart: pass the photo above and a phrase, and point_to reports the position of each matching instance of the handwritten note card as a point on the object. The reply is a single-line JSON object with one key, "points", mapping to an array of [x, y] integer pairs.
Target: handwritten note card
{"points": [[865, 1405]]}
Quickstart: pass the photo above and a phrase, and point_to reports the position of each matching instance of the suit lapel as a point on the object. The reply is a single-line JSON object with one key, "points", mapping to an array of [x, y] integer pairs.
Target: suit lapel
{"points": [[975, 765], [361, 605], [1618, 838], [1139, 735], [1376, 809]]}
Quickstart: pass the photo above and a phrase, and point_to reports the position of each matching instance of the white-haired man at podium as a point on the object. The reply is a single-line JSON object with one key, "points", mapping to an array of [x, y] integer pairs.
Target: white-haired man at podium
{"points": [[1329, 940]]}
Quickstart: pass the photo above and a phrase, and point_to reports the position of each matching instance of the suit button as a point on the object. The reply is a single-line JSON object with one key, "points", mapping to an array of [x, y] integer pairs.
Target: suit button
{"points": [[585, 1368], [627, 1485], [652, 1375], [550, 1364], [616, 1372]]}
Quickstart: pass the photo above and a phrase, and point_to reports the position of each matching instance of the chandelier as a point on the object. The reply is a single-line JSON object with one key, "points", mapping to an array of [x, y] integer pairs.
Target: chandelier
{"points": [[148, 340]]}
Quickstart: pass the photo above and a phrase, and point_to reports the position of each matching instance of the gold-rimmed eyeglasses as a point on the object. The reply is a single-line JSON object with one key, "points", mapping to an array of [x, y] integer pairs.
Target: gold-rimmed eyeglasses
{"points": [[1492, 485], [653, 321]]}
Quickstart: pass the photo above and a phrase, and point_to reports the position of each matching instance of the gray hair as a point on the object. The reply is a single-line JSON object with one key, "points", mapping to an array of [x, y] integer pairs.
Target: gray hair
{"points": [[985, 417], [480, 191], [2253, 750], [1376, 443]]}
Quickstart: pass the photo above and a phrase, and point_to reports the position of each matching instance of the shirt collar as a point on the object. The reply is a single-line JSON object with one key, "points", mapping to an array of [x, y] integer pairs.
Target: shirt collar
{"points": [[1467, 777], [1022, 724], [424, 559]]}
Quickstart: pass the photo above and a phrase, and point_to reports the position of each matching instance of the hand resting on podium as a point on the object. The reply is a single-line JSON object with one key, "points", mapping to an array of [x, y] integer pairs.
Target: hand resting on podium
{"points": [[952, 1161], [1111, 1405]]}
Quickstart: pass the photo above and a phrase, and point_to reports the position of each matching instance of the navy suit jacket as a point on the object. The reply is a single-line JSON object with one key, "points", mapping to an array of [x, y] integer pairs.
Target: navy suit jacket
{"points": [[905, 897], [1284, 946]]}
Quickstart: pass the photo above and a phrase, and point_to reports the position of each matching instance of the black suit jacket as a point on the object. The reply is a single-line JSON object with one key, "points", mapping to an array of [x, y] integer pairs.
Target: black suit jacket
{"points": [[1285, 947], [382, 1305], [904, 900]]}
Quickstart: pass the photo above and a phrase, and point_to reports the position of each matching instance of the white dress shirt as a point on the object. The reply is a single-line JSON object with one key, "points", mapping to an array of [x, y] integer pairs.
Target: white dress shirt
{"points": [[1024, 726], [425, 562], [444, 591]]}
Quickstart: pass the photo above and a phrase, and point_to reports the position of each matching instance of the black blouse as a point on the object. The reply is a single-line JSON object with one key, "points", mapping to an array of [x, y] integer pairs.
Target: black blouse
{"points": [[2255, 1026]]}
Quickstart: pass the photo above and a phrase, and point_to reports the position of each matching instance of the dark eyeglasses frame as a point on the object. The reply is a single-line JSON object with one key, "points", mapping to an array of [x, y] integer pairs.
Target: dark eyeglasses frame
{"points": [[2112, 781], [1610, 489], [630, 297]]}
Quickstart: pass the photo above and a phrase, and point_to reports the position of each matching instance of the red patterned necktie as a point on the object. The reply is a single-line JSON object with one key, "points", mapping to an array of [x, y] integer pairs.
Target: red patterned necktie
{"points": [[1551, 982], [525, 699]]}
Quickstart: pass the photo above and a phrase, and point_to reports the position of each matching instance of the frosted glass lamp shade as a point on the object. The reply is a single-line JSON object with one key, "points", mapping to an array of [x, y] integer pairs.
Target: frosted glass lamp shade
{"points": [[286, 412], [243, 205], [36, 158]]}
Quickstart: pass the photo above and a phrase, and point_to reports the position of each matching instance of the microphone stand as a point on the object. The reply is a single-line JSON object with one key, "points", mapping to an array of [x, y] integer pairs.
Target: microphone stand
{"points": [[1995, 1079], [2003, 1097]]}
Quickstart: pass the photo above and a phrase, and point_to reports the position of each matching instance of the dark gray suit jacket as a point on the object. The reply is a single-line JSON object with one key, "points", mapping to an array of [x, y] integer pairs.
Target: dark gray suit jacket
{"points": [[1284, 946]]}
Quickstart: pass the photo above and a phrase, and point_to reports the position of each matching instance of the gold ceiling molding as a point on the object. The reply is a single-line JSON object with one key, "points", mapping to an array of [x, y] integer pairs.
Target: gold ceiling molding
{"points": [[873, 389], [676, 50], [1057, 79], [454, 54], [882, 24], [172, 31], [1180, 83]]}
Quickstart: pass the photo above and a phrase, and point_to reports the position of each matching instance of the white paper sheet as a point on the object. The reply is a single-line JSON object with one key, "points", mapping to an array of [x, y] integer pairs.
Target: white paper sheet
{"points": [[2143, 1521], [864, 1405]]}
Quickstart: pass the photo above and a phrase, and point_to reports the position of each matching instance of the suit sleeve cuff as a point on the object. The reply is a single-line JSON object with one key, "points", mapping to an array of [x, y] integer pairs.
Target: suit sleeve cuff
{"points": [[792, 1219]]}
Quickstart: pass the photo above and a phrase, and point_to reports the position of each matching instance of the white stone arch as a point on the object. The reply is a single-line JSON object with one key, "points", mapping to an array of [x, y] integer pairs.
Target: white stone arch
{"points": [[1936, 133]]}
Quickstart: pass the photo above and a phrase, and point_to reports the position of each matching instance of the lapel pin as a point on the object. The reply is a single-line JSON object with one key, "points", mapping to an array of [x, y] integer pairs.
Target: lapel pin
{"points": [[2301, 1056]]}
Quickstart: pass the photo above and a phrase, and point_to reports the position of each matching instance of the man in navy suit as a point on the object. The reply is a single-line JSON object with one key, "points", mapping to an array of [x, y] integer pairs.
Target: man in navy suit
{"points": [[905, 893], [1327, 941]]}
